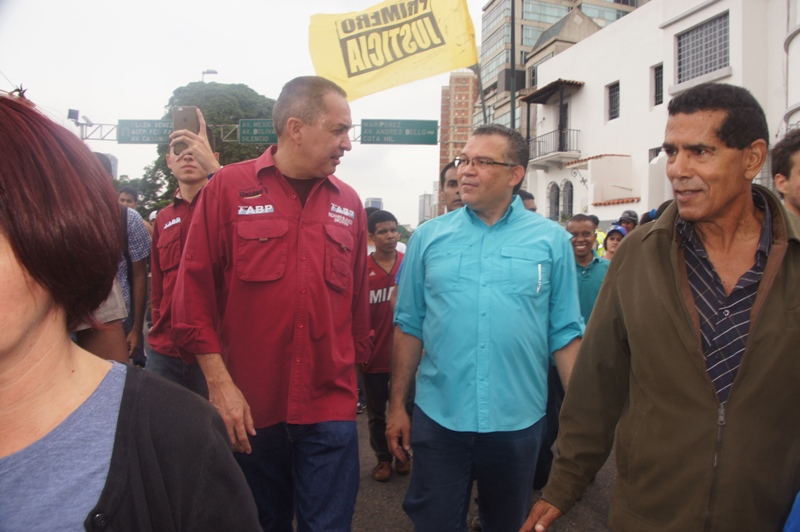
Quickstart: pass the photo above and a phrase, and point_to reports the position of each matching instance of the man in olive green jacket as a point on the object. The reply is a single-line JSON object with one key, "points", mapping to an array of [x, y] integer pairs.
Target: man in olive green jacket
{"points": [[693, 451]]}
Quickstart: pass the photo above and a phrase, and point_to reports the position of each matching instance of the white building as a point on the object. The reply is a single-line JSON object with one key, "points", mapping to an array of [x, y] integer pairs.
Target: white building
{"points": [[602, 103]]}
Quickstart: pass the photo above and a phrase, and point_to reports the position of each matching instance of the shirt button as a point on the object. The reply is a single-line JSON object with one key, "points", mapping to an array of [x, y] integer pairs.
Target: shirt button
{"points": [[302, 258], [189, 256], [297, 359], [726, 313], [302, 290], [100, 520], [300, 326], [294, 196]]}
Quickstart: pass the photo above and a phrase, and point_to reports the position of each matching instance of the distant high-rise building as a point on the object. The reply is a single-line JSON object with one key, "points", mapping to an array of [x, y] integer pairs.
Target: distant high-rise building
{"points": [[374, 202], [426, 207], [458, 100]]}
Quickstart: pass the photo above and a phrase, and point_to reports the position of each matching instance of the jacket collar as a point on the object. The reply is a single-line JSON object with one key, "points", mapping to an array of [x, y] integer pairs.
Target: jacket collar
{"points": [[784, 225]]}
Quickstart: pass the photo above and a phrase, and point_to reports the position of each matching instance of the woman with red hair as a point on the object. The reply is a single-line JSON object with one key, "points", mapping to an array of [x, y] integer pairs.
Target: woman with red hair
{"points": [[86, 442]]}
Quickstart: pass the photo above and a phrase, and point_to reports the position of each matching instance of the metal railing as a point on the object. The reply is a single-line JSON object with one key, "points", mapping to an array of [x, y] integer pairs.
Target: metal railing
{"points": [[555, 141]]}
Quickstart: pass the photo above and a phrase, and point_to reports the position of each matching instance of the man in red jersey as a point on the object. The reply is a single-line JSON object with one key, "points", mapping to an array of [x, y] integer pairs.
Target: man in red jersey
{"points": [[382, 266], [273, 301]]}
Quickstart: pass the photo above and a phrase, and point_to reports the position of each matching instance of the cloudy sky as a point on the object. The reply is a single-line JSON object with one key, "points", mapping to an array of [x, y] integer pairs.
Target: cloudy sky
{"points": [[115, 60]]}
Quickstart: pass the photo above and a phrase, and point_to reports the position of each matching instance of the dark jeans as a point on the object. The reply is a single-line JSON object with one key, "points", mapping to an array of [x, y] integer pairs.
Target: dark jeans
{"points": [[174, 369], [445, 462], [555, 397], [308, 469], [376, 389]]}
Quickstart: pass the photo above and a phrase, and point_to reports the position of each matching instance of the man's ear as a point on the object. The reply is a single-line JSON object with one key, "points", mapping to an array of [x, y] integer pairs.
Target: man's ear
{"points": [[294, 129], [517, 175], [780, 183], [756, 155], [216, 155]]}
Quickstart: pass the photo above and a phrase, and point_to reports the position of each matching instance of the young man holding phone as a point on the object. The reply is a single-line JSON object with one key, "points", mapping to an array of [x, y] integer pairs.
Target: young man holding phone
{"points": [[192, 160]]}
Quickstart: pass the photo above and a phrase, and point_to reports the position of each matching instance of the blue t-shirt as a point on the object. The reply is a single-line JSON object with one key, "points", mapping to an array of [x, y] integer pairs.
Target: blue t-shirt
{"points": [[491, 304], [54, 483]]}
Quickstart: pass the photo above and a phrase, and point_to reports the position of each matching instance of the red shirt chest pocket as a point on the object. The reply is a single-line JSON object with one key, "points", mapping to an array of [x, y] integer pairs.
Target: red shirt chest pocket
{"points": [[168, 248], [261, 249], [338, 257]]}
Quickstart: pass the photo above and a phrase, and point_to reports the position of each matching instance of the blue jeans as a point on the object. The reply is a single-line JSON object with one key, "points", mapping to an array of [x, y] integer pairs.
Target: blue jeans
{"points": [[174, 369], [308, 469], [445, 463]]}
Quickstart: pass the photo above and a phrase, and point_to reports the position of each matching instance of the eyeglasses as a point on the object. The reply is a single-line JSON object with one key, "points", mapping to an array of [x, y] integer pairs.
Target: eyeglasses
{"points": [[480, 162]]}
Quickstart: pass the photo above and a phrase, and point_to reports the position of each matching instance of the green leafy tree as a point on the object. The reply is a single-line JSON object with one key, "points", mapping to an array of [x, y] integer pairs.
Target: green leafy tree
{"points": [[404, 234], [222, 104]]}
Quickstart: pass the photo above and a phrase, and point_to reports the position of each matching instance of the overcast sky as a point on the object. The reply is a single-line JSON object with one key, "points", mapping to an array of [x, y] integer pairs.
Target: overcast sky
{"points": [[117, 60]]}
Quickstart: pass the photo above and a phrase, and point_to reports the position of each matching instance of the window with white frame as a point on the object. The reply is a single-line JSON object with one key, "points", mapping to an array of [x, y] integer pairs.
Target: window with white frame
{"points": [[704, 48], [613, 100]]}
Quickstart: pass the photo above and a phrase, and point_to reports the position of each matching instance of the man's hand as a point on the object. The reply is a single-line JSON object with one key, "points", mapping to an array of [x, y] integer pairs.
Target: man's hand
{"points": [[235, 411], [197, 146], [134, 340], [398, 433], [542, 516]]}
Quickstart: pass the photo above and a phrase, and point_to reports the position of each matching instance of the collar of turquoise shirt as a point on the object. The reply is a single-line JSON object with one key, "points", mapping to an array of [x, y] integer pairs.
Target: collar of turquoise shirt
{"points": [[514, 211]]}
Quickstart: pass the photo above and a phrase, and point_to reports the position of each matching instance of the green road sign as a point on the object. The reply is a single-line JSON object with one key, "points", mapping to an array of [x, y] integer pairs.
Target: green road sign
{"points": [[399, 131], [257, 132], [143, 131]]}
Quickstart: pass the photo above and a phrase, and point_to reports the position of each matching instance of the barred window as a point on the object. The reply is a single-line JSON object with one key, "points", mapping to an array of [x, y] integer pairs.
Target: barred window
{"points": [[613, 101], [703, 49], [658, 84]]}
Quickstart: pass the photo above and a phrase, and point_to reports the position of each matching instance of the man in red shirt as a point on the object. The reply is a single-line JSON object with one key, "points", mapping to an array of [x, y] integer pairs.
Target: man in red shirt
{"points": [[272, 298], [191, 169], [382, 266]]}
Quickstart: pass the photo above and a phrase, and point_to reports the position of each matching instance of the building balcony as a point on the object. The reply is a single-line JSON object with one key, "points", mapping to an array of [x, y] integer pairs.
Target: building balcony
{"points": [[556, 147]]}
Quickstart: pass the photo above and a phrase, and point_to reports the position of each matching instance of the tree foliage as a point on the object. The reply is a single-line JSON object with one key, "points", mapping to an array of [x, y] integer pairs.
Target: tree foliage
{"points": [[222, 104]]}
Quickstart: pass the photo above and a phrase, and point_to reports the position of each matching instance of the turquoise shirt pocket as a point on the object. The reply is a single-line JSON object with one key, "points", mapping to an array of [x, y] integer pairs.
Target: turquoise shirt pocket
{"points": [[442, 269], [524, 271]]}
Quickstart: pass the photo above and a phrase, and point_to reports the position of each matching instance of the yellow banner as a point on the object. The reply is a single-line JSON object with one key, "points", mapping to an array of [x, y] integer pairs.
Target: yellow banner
{"points": [[392, 43]]}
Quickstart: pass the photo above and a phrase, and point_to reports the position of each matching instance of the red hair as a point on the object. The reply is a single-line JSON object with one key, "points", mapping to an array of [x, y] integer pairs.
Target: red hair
{"points": [[58, 209]]}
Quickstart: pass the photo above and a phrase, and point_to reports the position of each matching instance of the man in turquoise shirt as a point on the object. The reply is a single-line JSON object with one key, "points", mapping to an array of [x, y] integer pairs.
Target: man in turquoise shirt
{"points": [[489, 292], [591, 268]]}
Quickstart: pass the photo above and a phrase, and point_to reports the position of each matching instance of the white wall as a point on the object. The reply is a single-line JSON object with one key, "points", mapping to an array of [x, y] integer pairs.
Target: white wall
{"points": [[625, 52]]}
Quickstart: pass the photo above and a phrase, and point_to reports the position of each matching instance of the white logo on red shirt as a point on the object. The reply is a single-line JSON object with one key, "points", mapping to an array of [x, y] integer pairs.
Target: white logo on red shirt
{"points": [[255, 209], [172, 222]]}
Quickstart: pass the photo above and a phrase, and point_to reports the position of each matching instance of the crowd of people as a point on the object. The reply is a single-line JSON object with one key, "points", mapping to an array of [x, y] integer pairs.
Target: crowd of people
{"points": [[498, 349]]}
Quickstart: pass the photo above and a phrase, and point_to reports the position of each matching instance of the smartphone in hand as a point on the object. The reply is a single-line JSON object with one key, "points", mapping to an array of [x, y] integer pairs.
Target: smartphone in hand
{"points": [[184, 118]]}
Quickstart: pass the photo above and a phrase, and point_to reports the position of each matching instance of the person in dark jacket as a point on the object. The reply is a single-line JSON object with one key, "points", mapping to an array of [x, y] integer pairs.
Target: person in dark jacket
{"points": [[690, 358], [87, 443]]}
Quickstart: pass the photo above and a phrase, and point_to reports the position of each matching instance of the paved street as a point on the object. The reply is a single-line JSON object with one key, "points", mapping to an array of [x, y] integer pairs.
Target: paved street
{"points": [[378, 507]]}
